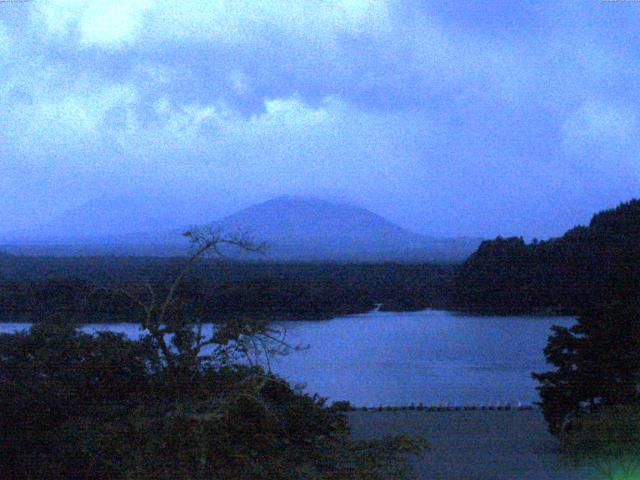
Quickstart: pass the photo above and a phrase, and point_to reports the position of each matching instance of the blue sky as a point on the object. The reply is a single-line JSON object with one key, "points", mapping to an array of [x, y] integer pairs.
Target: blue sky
{"points": [[450, 118]]}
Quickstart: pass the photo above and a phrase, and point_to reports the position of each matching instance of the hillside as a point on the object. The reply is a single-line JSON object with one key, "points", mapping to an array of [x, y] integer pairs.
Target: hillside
{"points": [[295, 229], [310, 229], [587, 264]]}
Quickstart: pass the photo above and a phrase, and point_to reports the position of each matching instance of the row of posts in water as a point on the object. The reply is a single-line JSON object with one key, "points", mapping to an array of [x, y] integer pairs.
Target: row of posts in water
{"points": [[346, 406]]}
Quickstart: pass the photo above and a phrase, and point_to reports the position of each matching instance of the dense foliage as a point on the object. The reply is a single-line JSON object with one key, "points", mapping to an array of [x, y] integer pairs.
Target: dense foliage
{"points": [[585, 266], [597, 362], [35, 288], [90, 407], [56, 387]]}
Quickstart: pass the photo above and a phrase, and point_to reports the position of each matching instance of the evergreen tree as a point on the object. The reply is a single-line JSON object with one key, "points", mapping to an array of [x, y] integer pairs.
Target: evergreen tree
{"points": [[597, 363]]}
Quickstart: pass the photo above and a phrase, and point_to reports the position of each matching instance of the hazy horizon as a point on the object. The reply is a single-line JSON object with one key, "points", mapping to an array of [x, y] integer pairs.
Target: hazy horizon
{"points": [[120, 217], [449, 119]]}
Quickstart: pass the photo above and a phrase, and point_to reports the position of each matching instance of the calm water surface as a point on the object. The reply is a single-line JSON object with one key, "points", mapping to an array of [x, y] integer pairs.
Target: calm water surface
{"points": [[433, 357]]}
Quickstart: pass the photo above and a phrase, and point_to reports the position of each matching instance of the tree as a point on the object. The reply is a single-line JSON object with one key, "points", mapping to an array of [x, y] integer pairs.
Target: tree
{"points": [[161, 320], [177, 404], [597, 363], [58, 389]]}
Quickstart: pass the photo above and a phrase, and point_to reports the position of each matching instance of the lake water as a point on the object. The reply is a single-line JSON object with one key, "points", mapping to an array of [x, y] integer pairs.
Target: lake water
{"points": [[390, 358]]}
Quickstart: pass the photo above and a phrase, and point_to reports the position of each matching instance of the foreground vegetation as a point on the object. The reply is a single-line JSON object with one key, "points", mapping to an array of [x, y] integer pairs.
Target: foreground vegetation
{"points": [[91, 407], [175, 404], [597, 363], [591, 399]]}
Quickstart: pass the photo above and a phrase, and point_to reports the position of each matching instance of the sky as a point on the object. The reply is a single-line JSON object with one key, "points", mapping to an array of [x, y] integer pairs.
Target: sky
{"points": [[475, 118]]}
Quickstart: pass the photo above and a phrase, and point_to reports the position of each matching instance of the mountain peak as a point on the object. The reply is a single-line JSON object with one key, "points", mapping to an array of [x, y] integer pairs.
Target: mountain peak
{"points": [[307, 228], [302, 200]]}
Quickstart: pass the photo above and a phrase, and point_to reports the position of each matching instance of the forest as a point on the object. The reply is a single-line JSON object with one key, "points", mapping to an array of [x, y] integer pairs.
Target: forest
{"points": [[588, 265], [100, 288]]}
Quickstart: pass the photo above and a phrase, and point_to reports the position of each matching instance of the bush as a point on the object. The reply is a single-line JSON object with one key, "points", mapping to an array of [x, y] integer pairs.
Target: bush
{"points": [[607, 439], [56, 387], [104, 407]]}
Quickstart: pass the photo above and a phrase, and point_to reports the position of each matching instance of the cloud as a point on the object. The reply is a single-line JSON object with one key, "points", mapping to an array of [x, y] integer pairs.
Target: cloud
{"points": [[102, 23], [602, 147], [386, 54], [6, 44], [600, 124], [290, 147], [123, 23], [413, 108], [43, 120]]}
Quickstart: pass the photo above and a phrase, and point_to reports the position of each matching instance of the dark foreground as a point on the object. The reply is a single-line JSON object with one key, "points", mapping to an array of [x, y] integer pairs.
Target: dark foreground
{"points": [[475, 445]]}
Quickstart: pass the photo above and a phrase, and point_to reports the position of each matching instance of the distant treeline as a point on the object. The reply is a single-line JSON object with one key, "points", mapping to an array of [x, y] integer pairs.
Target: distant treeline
{"points": [[100, 288], [586, 266]]}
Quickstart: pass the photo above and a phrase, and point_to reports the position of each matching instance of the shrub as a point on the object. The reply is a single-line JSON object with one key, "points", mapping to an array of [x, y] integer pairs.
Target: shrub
{"points": [[102, 407], [607, 439]]}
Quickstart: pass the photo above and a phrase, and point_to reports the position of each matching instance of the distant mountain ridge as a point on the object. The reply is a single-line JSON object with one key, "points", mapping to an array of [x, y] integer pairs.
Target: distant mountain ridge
{"points": [[111, 219], [294, 228]]}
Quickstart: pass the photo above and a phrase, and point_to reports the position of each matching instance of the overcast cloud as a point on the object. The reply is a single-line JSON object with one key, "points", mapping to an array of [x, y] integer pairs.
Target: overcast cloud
{"points": [[450, 118]]}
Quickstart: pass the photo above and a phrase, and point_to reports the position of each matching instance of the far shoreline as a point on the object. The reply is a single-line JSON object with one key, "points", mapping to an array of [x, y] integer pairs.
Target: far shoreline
{"points": [[377, 308]]}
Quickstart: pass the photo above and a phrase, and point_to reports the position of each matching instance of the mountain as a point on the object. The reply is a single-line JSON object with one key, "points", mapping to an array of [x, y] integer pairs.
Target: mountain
{"points": [[587, 265], [316, 225], [113, 219], [294, 228], [297, 228]]}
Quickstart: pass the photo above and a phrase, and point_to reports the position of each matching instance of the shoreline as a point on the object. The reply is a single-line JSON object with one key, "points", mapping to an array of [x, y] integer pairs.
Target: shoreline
{"points": [[474, 445], [438, 408]]}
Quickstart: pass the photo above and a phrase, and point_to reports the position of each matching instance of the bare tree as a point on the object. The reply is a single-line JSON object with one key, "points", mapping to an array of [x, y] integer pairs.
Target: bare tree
{"points": [[179, 338]]}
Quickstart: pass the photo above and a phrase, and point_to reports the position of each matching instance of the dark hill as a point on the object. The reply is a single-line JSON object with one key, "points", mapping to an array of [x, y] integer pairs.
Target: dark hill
{"points": [[586, 265]]}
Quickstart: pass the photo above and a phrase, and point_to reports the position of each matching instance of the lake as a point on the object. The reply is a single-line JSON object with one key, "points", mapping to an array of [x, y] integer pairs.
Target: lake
{"points": [[398, 358]]}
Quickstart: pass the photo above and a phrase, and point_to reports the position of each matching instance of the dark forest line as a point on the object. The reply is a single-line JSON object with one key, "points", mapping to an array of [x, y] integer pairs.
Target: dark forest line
{"points": [[99, 288], [588, 265]]}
